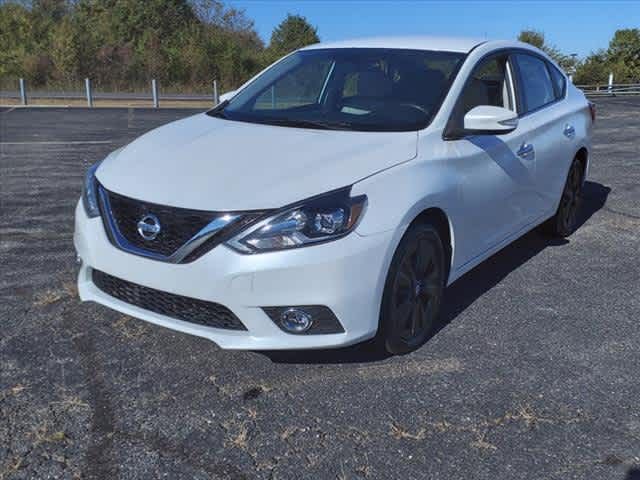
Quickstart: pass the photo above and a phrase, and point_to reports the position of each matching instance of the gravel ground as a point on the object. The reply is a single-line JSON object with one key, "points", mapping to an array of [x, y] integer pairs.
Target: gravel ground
{"points": [[534, 374]]}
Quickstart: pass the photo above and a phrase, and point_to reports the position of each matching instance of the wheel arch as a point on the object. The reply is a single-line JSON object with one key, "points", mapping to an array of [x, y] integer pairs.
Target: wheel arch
{"points": [[440, 220], [582, 155]]}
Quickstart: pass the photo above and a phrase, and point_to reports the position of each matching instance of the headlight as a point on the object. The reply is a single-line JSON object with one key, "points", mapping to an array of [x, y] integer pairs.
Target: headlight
{"points": [[90, 192], [90, 187], [319, 219]]}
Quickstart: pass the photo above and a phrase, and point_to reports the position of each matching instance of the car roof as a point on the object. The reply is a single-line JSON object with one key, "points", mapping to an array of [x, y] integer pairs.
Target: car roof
{"points": [[420, 42]]}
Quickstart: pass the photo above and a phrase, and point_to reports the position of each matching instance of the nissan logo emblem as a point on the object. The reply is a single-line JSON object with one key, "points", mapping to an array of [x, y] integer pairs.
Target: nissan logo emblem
{"points": [[149, 227]]}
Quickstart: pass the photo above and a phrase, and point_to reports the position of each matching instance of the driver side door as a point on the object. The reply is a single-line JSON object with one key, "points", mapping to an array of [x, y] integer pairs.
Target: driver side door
{"points": [[496, 173]]}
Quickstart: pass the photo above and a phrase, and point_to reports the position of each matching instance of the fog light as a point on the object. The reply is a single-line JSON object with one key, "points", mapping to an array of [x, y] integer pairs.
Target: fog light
{"points": [[304, 319], [295, 320]]}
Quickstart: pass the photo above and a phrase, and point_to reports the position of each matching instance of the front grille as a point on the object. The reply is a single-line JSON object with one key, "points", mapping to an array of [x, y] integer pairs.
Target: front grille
{"points": [[178, 224], [188, 309], [179, 227]]}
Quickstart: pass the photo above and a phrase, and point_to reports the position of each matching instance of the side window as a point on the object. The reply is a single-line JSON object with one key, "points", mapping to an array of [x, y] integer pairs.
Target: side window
{"points": [[535, 80], [489, 84], [559, 82]]}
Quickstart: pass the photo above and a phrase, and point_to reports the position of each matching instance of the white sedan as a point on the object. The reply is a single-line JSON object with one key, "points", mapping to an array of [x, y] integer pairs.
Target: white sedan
{"points": [[334, 196]]}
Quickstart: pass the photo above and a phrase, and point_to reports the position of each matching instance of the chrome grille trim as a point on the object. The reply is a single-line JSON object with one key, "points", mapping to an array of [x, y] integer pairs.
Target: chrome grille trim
{"points": [[204, 234]]}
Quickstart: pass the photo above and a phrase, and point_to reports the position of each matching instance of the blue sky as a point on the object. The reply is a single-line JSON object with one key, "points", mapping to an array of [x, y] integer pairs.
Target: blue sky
{"points": [[574, 27]]}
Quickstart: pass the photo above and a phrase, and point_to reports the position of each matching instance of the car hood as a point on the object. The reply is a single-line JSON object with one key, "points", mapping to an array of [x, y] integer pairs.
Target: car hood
{"points": [[207, 163]]}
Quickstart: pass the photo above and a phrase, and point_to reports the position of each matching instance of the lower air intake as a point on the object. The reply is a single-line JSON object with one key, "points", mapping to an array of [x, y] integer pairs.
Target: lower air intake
{"points": [[187, 309]]}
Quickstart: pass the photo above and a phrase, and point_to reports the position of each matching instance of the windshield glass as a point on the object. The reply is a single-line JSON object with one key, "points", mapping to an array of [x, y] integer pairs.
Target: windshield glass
{"points": [[348, 89]]}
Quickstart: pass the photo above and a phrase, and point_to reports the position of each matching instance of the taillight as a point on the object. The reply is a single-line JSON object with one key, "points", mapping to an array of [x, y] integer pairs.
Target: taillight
{"points": [[592, 111]]}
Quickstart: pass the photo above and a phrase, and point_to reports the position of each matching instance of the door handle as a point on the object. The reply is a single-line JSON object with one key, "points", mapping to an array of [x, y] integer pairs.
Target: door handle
{"points": [[526, 151], [569, 131]]}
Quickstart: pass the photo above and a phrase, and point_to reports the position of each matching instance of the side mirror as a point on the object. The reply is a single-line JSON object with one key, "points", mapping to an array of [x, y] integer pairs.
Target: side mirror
{"points": [[486, 119]]}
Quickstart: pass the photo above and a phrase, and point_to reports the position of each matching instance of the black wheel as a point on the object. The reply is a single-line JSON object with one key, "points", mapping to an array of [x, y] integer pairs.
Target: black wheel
{"points": [[564, 222], [413, 290]]}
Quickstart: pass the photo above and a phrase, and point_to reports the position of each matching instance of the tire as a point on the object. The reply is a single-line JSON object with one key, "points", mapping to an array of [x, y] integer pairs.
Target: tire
{"points": [[413, 291], [564, 222]]}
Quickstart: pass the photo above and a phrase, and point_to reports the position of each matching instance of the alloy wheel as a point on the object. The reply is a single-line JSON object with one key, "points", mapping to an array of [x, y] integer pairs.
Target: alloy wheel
{"points": [[417, 291], [571, 199]]}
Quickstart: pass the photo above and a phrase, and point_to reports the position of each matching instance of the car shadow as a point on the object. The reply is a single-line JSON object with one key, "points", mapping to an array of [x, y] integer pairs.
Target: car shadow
{"points": [[462, 293], [504, 157]]}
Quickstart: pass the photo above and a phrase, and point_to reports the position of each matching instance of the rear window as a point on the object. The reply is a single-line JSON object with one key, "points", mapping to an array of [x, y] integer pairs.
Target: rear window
{"points": [[559, 82], [536, 84]]}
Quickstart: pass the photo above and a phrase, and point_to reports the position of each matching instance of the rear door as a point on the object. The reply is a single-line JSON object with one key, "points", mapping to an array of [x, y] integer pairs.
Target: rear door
{"points": [[544, 115]]}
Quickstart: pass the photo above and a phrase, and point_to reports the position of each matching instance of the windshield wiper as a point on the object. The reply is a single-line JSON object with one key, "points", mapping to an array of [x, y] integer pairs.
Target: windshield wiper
{"points": [[286, 122], [218, 111]]}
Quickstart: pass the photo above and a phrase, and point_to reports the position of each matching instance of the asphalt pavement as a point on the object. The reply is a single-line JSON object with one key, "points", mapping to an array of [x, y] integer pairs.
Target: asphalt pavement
{"points": [[535, 373]]}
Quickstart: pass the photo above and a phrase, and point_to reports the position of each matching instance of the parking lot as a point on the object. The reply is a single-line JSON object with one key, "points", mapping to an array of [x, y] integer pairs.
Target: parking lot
{"points": [[535, 373]]}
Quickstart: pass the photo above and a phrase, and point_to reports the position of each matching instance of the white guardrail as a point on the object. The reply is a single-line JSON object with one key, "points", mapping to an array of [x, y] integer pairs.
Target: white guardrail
{"points": [[154, 97], [611, 90]]}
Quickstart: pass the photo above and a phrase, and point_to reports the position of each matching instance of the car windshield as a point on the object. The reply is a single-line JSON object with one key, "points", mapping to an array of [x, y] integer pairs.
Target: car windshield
{"points": [[367, 89]]}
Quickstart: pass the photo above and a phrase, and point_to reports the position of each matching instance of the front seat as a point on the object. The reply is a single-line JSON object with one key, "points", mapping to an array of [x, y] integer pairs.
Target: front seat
{"points": [[373, 84]]}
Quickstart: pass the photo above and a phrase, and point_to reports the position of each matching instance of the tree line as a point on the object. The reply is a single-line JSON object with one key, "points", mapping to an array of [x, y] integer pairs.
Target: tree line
{"points": [[122, 44], [185, 44], [622, 58]]}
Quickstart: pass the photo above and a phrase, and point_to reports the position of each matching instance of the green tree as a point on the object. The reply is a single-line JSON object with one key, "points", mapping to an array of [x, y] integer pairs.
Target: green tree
{"points": [[53, 10], [222, 45], [532, 37], [65, 51], [624, 55], [622, 58], [16, 39], [121, 44], [593, 70], [293, 32], [71, 50], [537, 39]]}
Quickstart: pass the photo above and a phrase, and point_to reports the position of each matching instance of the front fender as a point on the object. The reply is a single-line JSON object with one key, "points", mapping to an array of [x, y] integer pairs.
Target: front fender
{"points": [[400, 194]]}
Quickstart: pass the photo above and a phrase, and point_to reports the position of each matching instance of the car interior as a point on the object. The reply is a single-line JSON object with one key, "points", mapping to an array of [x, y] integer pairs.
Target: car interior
{"points": [[404, 89], [489, 85]]}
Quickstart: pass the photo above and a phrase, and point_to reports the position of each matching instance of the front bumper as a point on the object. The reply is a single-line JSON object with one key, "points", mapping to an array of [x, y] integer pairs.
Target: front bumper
{"points": [[346, 275]]}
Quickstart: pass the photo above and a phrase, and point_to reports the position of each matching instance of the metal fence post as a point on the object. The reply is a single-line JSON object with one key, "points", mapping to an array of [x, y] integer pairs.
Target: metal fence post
{"points": [[610, 84], [23, 92], [87, 86], [216, 97], [154, 92]]}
